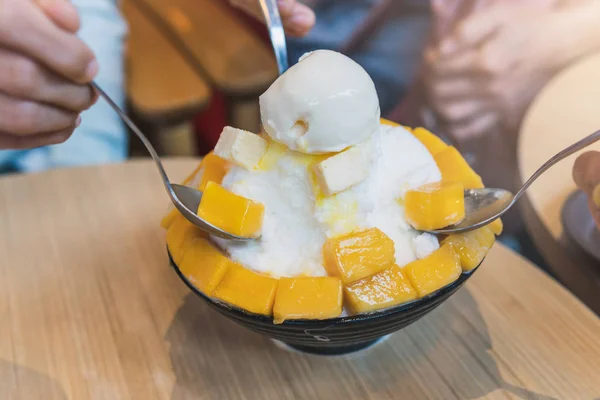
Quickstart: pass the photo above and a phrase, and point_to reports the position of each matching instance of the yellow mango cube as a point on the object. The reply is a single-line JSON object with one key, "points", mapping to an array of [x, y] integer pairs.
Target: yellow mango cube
{"points": [[213, 169], [357, 255], [204, 265], [454, 168], [384, 121], [191, 176], [432, 142], [168, 220], [308, 298], [471, 247], [385, 289], [180, 235], [246, 289], [431, 273], [496, 226], [230, 212], [387, 122], [435, 205]]}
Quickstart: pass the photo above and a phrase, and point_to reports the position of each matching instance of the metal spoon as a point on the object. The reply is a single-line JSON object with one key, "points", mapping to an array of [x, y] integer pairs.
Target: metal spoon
{"points": [[483, 206], [185, 199], [276, 33]]}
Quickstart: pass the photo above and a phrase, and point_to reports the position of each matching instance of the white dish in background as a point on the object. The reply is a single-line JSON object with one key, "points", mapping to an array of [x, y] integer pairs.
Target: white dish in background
{"points": [[579, 225]]}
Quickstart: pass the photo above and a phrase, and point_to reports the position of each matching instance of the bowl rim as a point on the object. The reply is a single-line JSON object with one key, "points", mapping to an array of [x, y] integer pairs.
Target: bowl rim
{"points": [[370, 316]]}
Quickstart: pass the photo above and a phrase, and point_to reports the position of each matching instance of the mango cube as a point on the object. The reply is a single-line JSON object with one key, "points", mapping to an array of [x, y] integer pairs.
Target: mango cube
{"points": [[357, 255], [382, 290], [434, 272], [343, 170], [454, 168], [191, 176], [384, 121], [387, 122], [180, 236], [432, 142], [243, 288], [204, 266], [471, 247], [230, 212], [435, 205], [168, 219], [241, 147], [496, 226], [213, 169], [308, 298]]}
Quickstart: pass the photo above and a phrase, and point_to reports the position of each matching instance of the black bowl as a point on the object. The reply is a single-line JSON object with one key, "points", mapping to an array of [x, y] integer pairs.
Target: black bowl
{"points": [[336, 335]]}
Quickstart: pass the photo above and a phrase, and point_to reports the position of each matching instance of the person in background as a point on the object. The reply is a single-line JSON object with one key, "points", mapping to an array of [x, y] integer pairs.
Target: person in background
{"points": [[586, 173], [483, 65], [50, 51], [391, 54], [485, 72]]}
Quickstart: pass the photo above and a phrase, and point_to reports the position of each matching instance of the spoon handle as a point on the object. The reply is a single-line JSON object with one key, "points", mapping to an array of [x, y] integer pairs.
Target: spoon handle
{"points": [[143, 138], [276, 32], [574, 148]]}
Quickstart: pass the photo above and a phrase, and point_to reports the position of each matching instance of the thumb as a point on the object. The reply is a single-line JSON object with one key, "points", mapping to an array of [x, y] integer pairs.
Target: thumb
{"points": [[62, 13], [586, 174]]}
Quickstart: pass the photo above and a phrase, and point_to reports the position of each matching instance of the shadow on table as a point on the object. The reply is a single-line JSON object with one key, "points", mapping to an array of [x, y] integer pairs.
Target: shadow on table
{"points": [[213, 357], [20, 383]]}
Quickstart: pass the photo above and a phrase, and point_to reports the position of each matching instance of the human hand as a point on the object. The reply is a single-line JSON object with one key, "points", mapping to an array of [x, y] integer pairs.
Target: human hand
{"points": [[586, 174], [297, 18], [44, 72], [488, 71]]}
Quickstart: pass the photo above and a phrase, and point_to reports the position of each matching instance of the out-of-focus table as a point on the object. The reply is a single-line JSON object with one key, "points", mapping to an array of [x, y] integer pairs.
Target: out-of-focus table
{"points": [[565, 111], [232, 58], [90, 309], [164, 91]]}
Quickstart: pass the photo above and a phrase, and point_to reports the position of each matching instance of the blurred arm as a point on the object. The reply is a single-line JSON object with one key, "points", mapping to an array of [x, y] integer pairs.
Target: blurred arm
{"points": [[581, 28], [101, 138]]}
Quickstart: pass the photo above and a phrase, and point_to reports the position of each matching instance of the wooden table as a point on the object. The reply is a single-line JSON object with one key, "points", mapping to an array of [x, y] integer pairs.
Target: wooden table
{"points": [[90, 309], [564, 112]]}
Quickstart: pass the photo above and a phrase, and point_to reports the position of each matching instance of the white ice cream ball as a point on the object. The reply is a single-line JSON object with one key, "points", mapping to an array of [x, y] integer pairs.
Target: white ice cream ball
{"points": [[325, 103]]}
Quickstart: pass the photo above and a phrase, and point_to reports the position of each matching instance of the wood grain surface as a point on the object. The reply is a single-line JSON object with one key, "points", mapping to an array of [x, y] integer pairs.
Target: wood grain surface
{"points": [[565, 111], [90, 309]]}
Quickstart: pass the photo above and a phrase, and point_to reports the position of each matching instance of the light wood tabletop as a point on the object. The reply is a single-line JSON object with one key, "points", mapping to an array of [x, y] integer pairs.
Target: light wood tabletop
{"points": [[565, 111], [90, 309]]}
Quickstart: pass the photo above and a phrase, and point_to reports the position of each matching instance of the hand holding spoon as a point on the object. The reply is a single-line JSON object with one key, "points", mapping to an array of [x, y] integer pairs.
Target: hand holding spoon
{"points": [[185, 199], [483, 206]]}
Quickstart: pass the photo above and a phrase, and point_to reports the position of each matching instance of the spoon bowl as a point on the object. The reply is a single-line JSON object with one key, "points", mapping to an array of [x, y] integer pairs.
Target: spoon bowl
{"points": [[484, 206], [187, 199], [184, 198]]}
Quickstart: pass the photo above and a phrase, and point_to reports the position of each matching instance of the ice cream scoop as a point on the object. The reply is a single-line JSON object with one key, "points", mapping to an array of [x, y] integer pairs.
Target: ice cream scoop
{"points": [[325, 103]]}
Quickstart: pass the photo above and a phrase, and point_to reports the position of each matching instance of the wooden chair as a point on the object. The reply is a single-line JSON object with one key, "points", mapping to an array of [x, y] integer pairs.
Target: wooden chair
{"points": [[207, 40], [222, 49], [164, 92]]}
